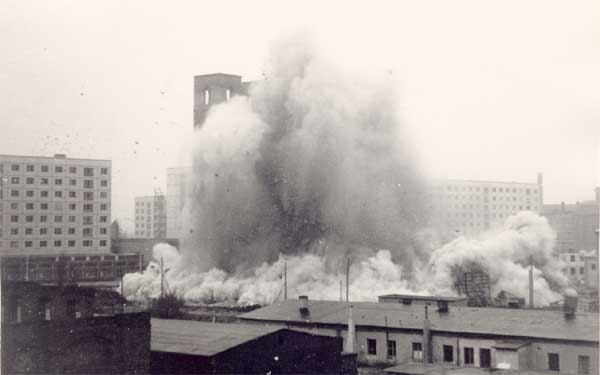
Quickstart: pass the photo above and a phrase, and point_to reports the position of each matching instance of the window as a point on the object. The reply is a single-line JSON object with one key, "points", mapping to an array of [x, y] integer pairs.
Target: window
{"points": [[72, 194], [372, 346], [572, 258], [58, 181], [87, 232], [28, 231], [72, 169], [104, 183], [573, 271], [87, 243], [58, 169], [88, 207], [43, 206], [103, 194], [28, 243], [29, 193], [103, 244], [103, 231], [104, 171], [30, 168], [391, 348], [43, 243], [29, 218], [206, 97], [14, 219], [71, 243], [88, 196], [417, 351], [71, 231], [29, 180], [103, 219], [44, 181], [14, 167], [88, 171], [88, 184], [593, 266], [45, 168], [103, 207], [485, 358], [448, 353], [14, 180], [57, 230], [71, 219], [44, 193], [581, 270], [227, 94], [14, 244], [58, 219], [14, 206], [553, 362], [87, 220], [14, 231], [14, 193], [57, 243], [72, 206], [58, 194], [43, 218], [583, 364], [73, 182]]}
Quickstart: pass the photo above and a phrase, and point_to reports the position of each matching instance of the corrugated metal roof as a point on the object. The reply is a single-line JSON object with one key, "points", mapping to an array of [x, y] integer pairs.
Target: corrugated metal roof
{"points": [[486, 321], [202, 338]]}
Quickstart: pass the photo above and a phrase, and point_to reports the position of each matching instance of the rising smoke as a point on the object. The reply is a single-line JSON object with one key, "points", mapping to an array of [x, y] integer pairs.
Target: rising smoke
{"points": [[315, 168]]}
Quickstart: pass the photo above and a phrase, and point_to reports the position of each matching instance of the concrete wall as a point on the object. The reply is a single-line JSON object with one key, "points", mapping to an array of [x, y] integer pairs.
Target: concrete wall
{"points": [[537, 356]]}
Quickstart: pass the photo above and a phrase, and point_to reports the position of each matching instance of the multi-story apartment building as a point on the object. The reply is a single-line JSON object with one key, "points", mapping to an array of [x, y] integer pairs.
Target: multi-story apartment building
{"points": [[177, 180], [576, 225], [469, 207], [151, 216], [54, 205]]}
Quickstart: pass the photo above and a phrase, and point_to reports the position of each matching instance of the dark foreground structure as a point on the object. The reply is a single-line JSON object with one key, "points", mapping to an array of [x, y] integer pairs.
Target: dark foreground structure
{"points": [[62, 330], [190, 347]]}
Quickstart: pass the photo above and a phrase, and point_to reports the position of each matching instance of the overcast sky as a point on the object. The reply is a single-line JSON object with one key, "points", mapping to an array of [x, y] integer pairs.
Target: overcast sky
{"points": [[490, 90]]}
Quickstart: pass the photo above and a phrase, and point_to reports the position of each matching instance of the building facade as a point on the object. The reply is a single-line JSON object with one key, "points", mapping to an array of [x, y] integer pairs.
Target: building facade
{"points": [[177, 185], [211, 89], [576, 225], [487, 338], [151, 216], [54, 205], [469, 207]]}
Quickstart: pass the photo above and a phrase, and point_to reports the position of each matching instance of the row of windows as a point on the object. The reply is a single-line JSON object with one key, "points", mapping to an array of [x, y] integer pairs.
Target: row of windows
{"points": [[58, 206], [485, 207], [485, 355], [87, 195], [87, 171], [87, 220], [143, 211], [493, 189], [141, 204], [88, 184], [87, 232], [485, 199], [55, 243]]}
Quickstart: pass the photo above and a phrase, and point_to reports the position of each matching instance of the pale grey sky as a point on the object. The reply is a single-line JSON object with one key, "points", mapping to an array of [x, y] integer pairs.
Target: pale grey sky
{"points": [[490, 90]]}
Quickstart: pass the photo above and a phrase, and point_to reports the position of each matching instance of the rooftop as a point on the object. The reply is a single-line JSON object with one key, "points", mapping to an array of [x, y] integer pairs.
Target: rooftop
{"points": [[502, 322], [55, 157], [202, 338], [413, 368], [423, 297]]}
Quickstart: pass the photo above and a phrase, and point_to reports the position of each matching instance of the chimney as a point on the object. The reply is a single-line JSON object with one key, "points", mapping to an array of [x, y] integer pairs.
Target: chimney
{"points": [[570, 306], [351, 332], [427, 347], [531, 286], [304, 311]]}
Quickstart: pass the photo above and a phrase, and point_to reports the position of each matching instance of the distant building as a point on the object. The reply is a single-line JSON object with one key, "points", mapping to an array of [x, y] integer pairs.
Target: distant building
{"points": [[469, 207], [576, 225], [436, 301], [151, 216], [54, 205], [211, 89], [581, 268], [190, 347], [62, 330], [393, 334], [143, 247], [177, 185]]}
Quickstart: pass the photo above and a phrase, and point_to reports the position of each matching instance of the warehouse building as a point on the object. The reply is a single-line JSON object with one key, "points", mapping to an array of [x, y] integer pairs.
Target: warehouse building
{"points": [[192, 347], [393, 334]]}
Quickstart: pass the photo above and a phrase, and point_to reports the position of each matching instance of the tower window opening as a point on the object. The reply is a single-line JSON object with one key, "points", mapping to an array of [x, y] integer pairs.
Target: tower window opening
{"points": [[228, 94], [206, 97]]}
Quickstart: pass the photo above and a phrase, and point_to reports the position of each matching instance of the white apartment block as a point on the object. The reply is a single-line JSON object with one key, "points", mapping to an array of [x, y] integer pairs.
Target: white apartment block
{"points": [[54, 205], [177, 181], [151, 217], [469, 207]]}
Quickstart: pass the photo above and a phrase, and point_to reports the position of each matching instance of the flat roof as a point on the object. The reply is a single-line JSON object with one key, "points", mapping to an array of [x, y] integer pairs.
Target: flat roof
{"points": [[423, 297], [456, 180], [502, 322], [203, 338], [51, 157], [420, 368]]}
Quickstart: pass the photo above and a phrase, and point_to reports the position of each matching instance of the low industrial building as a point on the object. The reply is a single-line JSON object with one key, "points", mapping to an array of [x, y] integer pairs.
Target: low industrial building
{"points": [[55, 329], [192, 347], [410, 299], [469, 337]]}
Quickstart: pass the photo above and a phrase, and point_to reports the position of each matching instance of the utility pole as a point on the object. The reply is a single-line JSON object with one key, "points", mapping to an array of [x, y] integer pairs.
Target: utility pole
{"points": [[162, 277], [348, 280], [284, 280]]}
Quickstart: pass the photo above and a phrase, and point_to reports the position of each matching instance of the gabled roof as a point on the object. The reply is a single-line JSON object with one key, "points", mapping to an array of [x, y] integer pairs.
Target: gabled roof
{"points": [[202, 338], [525, 323]]}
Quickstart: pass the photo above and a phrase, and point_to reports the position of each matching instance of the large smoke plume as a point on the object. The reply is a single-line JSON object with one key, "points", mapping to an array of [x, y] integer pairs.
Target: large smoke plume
{"points": [[313, 169]]}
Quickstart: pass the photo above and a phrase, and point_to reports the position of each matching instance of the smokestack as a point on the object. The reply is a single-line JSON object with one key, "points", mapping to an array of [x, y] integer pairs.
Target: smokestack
{"points": [[531, 286], [427, 352], [570, 305], [351, 332]]}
